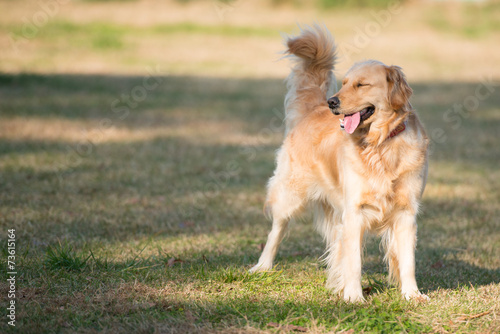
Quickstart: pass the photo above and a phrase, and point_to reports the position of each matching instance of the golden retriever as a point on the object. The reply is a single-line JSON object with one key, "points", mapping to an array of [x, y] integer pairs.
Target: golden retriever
{"points": [[366, 173]]}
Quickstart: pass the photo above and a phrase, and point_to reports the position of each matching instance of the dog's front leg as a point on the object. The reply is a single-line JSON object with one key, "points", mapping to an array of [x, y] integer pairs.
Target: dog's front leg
{"points": [[352, 236], [405, 237]]}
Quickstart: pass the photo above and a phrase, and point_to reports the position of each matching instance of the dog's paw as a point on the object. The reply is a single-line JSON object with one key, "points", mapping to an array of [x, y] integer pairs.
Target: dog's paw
{"points": [[259, 267], [416, 296], [354, 296], [354, 299]]}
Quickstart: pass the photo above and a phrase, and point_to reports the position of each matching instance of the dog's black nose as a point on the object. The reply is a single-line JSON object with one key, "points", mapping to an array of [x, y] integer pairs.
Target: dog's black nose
{"points": [[333, 103]]}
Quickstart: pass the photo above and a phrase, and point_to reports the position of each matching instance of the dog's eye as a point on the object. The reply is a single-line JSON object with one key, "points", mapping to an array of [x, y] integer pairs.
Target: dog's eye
{"points": [[362, 84]]}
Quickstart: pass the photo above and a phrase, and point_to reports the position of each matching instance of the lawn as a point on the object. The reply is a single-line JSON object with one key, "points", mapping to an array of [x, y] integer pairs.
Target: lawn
{"points": [[133, 171]]}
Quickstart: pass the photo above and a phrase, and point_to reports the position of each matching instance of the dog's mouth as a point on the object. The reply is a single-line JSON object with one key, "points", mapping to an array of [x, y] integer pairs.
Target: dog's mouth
{"points": [[351, 122]]}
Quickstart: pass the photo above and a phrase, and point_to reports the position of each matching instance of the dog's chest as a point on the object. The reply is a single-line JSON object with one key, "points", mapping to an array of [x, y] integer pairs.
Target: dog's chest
{"points": [[381, 184]]}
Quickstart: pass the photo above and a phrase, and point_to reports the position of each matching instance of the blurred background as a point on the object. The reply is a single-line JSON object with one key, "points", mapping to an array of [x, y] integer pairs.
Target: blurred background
{"points": [[438, 40]]}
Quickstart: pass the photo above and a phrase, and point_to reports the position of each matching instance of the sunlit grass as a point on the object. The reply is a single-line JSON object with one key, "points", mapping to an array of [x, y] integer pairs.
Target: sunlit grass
{"points": [[463, 20], [243, 41]]}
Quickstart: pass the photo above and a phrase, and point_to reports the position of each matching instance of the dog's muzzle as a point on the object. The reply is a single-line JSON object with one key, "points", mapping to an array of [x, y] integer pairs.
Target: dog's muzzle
{"points": [[333, 104]]}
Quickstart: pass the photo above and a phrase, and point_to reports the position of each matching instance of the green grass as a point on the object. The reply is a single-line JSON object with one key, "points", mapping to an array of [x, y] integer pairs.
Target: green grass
{"points": [[154, 228], [62, 256], [472, 21], [83, 32], [319, 3], [356, 3]]}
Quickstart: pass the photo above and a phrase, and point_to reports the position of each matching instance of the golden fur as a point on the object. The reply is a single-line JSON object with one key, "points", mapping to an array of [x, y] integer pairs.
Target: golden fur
{"points": [[355, 182]]}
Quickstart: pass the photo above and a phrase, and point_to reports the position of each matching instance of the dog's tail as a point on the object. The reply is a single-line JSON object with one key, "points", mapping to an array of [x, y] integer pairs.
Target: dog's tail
{"points": [[311, 79]]}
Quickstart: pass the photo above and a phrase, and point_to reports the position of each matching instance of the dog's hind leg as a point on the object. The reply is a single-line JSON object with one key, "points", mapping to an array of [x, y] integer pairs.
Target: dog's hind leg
{"points": [[328, 222], [283, 203]]}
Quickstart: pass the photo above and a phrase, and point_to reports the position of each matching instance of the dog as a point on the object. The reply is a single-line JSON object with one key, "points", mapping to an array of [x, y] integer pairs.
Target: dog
{"points": [[357, 158]]}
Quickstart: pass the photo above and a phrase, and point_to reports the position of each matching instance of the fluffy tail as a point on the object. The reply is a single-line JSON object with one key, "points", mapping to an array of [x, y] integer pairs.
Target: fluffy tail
{"points": [[311, 79]]}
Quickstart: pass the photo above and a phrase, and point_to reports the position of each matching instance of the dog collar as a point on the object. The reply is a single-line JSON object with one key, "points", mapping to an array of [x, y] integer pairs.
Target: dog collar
{"points": [[400, 128]]}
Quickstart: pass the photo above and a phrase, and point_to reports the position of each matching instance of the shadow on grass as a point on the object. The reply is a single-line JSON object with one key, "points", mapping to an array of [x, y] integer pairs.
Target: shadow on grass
{"points": [[180, 100], [230, 296], [452, 274]]}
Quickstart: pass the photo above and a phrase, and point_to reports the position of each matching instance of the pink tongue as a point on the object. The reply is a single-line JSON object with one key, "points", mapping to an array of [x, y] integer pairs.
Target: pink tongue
{"points": [[351, 122]]}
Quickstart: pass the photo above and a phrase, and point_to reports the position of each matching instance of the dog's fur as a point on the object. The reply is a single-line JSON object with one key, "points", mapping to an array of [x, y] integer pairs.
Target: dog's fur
{"points": [[367, 180]]}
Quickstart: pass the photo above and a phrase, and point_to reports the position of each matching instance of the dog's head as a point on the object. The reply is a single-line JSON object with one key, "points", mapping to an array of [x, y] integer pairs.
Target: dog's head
{"points": [[372, 96]]}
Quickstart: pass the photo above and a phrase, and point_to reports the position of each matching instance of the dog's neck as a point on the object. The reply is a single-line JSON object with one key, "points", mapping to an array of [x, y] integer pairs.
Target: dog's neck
{"points": [[367, 137], [400, 128], [372, 146]]}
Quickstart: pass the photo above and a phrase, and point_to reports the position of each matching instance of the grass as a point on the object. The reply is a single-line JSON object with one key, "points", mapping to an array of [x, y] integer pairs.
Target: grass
{"points": [[145, 216], [355, 3], [244, 40], [461, 20], [151, 230], [62, 256], [96, 30]]}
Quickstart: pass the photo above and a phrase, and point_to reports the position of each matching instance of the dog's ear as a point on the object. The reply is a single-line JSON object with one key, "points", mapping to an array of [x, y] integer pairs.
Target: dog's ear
{"points": [[399, 90]]}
